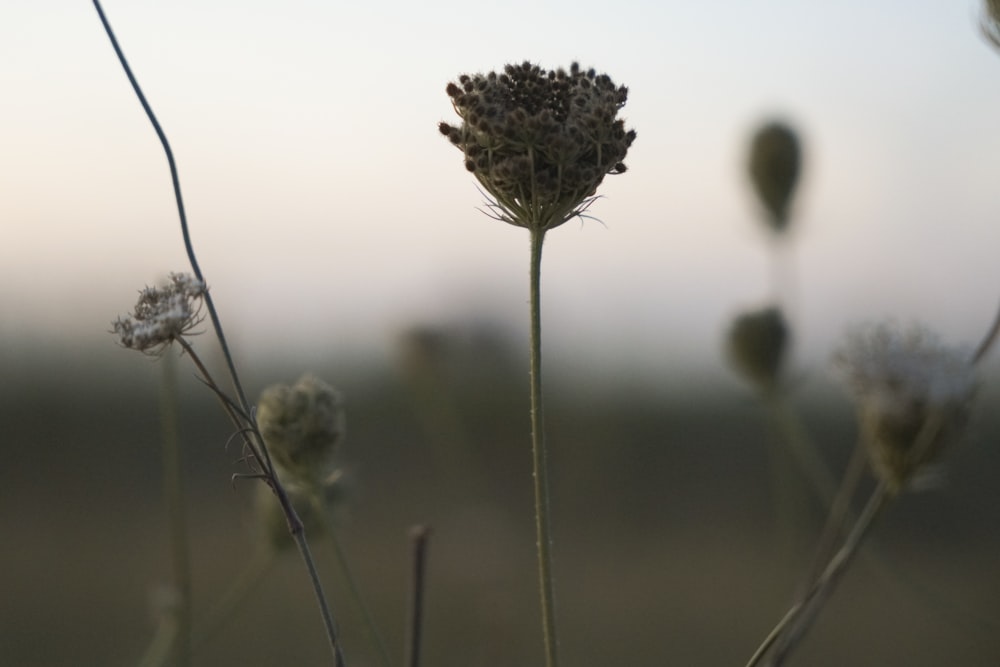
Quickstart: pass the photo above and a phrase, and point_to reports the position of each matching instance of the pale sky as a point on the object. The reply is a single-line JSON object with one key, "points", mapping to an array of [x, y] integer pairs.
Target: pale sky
{"points": [[328, 213]]}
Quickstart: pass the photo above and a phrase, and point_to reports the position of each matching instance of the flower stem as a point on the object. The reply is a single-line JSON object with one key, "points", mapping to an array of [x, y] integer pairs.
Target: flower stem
{"points": [[225, 609], [294, 523], [353, 588], [173, 491], [414, 627], [543, 528], [175, 179], [797, 620]]}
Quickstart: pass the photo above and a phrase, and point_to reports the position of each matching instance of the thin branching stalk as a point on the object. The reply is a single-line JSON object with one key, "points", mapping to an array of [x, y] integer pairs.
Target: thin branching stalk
{"points": [[299, 535], [840, 510], [251, 433], [175, 179], [791, 622], [800, 617], [415, 621], [543, 527], [837, 519]]}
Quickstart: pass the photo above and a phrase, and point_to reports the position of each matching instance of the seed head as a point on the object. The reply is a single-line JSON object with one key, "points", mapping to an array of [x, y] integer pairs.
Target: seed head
{"points": [[302, 426], [913, 396], [162, 315], [775, 160], [539, 142], [756, 344]]}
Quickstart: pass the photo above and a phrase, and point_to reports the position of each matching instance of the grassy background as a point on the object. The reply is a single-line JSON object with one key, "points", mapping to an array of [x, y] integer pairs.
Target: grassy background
{"points": [[679, 531]]}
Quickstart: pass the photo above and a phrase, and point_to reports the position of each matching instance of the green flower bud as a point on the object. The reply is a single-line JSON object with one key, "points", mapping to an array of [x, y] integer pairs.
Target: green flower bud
{"points": [[302, 426], [775, 160], [756, 344]]}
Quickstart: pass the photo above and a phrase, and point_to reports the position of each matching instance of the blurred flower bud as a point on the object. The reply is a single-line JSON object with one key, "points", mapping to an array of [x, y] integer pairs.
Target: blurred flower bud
{"points": [[775, 161], [756, 345], [302, 426], [913, 396]]}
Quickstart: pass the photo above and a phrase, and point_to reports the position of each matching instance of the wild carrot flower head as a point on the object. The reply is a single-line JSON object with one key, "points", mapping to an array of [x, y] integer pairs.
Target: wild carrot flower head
{"points": [[301, 426], [913, 396], [162, 314], [775, 160], [539, 142]]}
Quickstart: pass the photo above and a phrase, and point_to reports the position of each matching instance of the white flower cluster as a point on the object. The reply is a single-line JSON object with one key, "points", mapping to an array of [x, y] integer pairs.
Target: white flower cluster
{"points": [[913, 396], [162, 314]]}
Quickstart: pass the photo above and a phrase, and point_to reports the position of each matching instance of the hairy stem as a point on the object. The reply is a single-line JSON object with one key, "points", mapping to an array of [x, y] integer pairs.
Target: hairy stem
{"points": [[543, 528]]}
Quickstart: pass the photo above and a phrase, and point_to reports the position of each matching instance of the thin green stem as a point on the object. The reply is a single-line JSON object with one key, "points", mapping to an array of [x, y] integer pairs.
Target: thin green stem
{"points": [[798, 619], [543, 527], [173, 492], [354, 590], [414, 627], [175, 179], [294, 522], [224, 610], [298, 533]]}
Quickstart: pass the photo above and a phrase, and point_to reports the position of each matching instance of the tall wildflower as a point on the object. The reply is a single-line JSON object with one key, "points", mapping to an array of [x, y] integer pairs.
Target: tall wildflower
{"points": [[540, 143]]}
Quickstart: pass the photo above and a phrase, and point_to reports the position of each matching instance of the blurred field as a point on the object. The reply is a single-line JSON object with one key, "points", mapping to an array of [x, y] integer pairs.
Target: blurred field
{"points": [[673, 546]]}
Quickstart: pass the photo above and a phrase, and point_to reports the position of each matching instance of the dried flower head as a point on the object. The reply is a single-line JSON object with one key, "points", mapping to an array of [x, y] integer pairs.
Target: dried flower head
{"points": [[775, 160], [302, 426], [913, 396], [756, 344], [162, 314], [538, 141], [989, 23]]}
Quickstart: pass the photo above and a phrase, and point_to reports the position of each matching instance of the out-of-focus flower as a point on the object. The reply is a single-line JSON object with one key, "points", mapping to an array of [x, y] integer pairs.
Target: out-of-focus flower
{"points": [[162, 314], [757, 343], [301, 426], [775, 162], [913, 396]]}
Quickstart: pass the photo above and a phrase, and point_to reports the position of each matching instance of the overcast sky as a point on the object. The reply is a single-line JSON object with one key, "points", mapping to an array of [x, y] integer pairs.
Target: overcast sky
{"points": [[329, 214]]}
